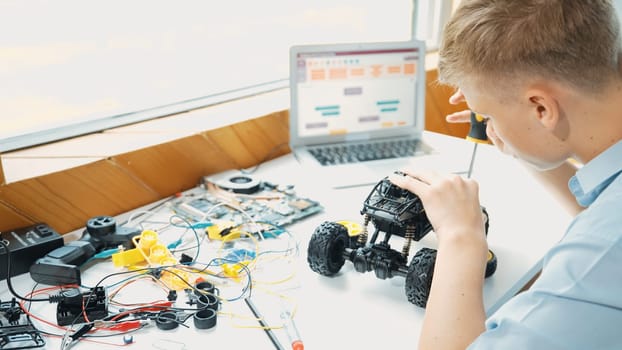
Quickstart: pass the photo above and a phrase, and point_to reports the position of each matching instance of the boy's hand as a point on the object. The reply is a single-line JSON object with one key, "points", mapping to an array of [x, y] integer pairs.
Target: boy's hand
{"points": [[451, 203], [456, 298], [465, 117]]}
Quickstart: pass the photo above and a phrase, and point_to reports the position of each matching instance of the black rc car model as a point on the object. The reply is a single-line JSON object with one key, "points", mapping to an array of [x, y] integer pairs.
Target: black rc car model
{"points": [[393, 211]]}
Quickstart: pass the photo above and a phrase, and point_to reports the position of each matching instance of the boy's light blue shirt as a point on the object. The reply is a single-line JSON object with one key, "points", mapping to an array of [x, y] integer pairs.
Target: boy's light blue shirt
{"points": [[576, 303]]}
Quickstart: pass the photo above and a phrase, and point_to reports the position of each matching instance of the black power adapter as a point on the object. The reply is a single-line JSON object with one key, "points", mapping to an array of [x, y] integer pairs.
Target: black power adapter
{"points": [[27, 244]]}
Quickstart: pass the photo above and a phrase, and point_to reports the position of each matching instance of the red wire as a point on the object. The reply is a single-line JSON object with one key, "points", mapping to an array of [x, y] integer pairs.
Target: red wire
{"points": [[154, 307], [44, 290], [41, 291]]}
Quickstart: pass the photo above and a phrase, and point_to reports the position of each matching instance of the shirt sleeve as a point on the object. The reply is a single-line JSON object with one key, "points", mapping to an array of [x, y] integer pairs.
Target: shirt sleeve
{"points": [[574, 304]]}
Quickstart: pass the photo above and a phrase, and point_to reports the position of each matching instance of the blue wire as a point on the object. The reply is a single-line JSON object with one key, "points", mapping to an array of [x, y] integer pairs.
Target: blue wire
{"points": [[104, 254], [174, 245]]}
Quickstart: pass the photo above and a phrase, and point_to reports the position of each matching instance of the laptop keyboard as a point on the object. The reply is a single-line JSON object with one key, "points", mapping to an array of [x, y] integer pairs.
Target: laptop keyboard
{"points": [[362, 152]]}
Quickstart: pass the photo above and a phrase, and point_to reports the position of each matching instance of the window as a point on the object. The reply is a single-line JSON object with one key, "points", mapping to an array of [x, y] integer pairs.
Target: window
{"points": [[618, 5], [429, 18], [71, 67]]}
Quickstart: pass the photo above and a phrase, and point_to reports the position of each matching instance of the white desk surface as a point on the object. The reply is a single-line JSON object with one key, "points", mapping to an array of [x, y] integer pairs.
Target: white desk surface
{"points": [[354, 310]]}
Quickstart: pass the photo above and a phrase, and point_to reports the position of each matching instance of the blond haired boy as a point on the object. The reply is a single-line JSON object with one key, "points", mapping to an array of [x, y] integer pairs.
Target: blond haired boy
{"points": [[547, 75]]}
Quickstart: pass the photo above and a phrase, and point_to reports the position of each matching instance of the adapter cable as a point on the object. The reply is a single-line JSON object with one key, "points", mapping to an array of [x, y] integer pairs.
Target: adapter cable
{"points": [[8, 277]]}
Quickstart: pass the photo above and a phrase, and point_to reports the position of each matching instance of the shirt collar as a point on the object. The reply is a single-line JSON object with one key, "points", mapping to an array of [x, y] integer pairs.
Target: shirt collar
{"points": [[596, 175]]}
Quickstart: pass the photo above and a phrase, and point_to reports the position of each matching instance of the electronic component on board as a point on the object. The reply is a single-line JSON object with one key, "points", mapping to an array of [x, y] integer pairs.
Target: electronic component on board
{"points": [[236, 197], [236, 182]]}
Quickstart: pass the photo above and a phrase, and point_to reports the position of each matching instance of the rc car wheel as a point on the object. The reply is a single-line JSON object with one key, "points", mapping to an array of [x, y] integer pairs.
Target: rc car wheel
{"points": [[419, 277], [326, 248], [491, 264]]}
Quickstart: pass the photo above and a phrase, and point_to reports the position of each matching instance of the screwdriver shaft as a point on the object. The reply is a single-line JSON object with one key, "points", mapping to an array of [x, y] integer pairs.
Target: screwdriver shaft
{"points": [[472, 160]]}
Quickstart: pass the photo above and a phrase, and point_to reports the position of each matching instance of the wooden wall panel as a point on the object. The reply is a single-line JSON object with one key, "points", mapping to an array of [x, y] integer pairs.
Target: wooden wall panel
{"points": [[65, 200], [12, 218], [231, 145], [268, 137], [249, 142], [2, 179], [437, 107], [174, 166]]}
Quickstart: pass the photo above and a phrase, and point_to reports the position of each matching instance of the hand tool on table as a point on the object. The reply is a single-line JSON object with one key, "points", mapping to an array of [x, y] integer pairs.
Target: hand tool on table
{"points": [[477, 134]]}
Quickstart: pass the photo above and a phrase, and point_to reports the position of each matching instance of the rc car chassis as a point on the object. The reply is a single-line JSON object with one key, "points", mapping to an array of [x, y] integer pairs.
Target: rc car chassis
{"points": [[393, 211]]}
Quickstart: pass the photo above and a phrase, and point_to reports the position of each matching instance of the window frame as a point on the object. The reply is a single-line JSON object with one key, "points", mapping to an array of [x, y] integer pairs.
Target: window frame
{"points": [[76, 129]]}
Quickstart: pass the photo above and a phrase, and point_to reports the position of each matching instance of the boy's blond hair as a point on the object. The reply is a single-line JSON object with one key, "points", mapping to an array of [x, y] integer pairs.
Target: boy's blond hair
{"points": [[572, 41]]}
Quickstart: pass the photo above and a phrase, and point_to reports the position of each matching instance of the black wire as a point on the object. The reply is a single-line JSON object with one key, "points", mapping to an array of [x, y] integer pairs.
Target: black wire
{"points": [[8, 276], [249, 284], [246, 289], [101, 281], [218, 261], [29, 306], [187, 316], [138, 309], [92, 292], [196, 235]]}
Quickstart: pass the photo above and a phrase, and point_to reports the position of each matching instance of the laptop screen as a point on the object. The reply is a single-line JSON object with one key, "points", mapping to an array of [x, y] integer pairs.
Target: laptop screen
{"points": [[354, 89]]}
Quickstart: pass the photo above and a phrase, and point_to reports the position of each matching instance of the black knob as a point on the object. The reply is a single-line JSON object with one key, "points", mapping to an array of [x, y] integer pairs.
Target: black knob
{"points": [[100, 226]]}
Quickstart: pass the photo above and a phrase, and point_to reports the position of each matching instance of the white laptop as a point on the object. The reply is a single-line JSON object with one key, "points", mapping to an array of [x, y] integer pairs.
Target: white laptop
{"points": [[357, 111]]}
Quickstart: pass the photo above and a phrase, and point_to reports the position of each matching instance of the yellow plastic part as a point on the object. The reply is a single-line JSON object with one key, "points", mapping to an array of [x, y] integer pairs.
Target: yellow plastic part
{"points": [[158, 253], [213, 231], [174, 278], [150, 250], [233, 270], [147, 239], [126, 258], [354, 228]]}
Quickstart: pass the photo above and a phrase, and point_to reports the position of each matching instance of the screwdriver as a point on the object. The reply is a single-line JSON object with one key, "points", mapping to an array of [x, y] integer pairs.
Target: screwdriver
{"points": [[292, 331], [477, 134]]}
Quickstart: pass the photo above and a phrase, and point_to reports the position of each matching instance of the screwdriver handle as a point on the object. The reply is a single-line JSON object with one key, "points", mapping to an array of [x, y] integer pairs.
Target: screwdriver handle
{"points": [[477, 133]]}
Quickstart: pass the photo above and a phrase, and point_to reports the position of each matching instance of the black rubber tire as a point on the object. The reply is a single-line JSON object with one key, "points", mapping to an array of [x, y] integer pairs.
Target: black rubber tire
{"points": [[326, 248], [491, 264], [419, 277]]}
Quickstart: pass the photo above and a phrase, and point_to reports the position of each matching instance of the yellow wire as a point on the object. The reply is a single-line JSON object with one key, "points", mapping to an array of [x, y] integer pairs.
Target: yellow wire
{"points": [[250, 318], [288, 299]]}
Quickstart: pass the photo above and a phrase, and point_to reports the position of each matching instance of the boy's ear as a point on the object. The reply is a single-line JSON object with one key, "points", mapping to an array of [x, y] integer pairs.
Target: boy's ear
{"points": [[545, 107]]}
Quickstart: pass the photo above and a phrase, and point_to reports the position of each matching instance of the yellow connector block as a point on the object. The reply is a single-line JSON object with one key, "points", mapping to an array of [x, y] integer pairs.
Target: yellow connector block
{"points": [[213, 231], [128, 257], [233, 270], [150, 250]]}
